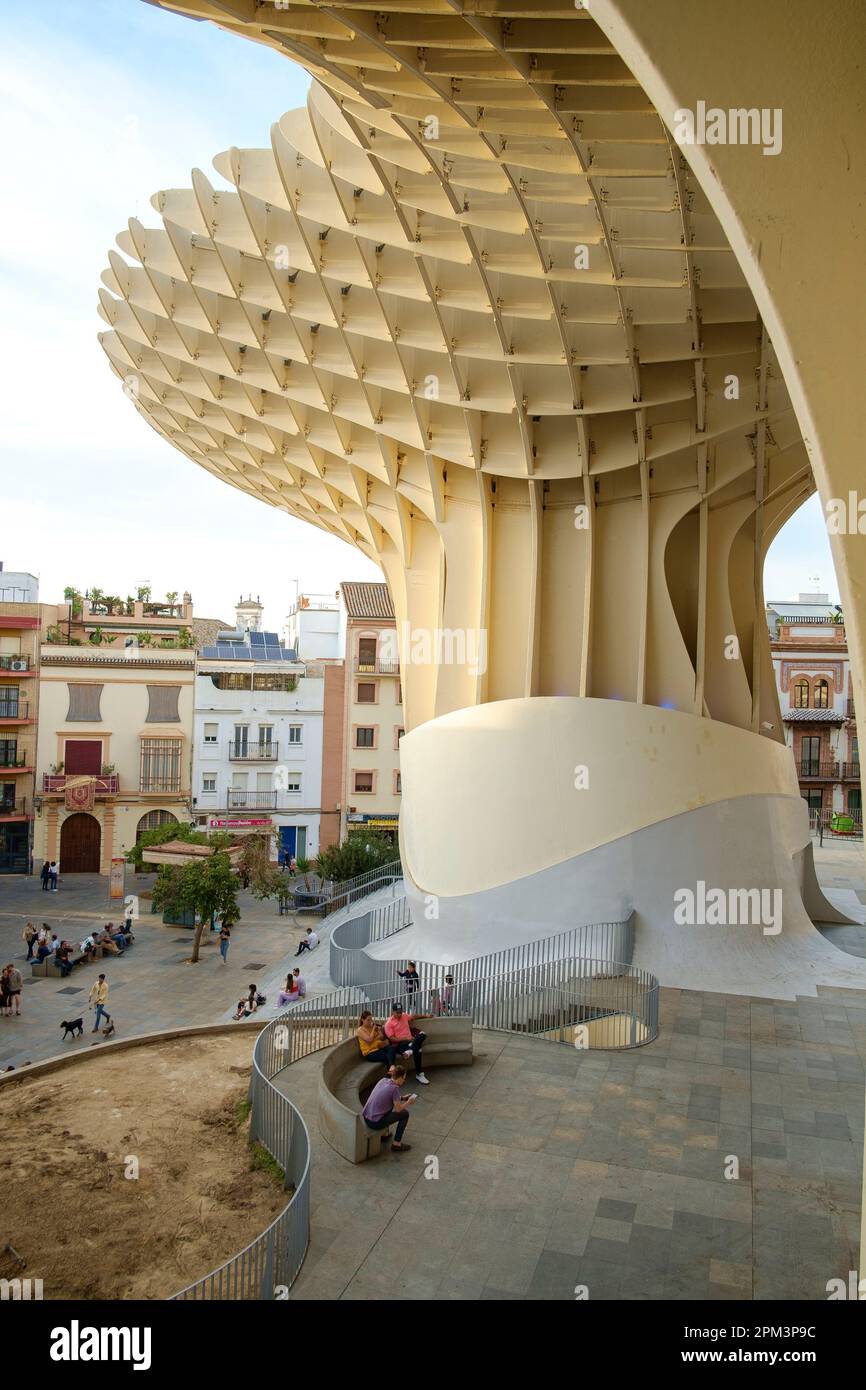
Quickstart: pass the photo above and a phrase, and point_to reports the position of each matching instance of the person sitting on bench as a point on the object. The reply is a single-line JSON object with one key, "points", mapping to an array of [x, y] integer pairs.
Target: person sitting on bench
{"points": [[107, 942], [407, 1040], [61, 958], [386, 1107], [372, 1041]]}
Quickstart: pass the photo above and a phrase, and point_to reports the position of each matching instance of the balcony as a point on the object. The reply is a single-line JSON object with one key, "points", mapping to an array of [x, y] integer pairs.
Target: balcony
{"points": [[21, 765], [812, 770], [257, 801], [105, 786], [21, 665], [851, 772], [13, 809], [253, 752], [376, 668], [15, 711]]}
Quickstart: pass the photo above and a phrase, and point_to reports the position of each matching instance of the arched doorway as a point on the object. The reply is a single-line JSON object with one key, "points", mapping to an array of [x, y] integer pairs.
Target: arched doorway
{"points": [[80, 838], [153, 820]]}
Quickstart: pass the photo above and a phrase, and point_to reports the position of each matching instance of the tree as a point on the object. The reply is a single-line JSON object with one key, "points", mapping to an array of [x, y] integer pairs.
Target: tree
{"points": [[361, 850], [98, 636], [143, 592], [96, 598], [160, 835], [209, 887], [171, 597], [185, 638]]}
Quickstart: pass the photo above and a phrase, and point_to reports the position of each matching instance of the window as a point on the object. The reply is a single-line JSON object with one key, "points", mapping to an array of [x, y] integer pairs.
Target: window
{"points": [[801, 695], [208, 784], [855, 803], [152, 821], [363, 782], [296, 732], [268, 681], [810, 756], [820, 694], [366, 693], [82, 756], [398, 784], [8, 752], [9, 702], [367, 654], [266, 733], [241, 741], [84, 704], [231, 680], [398, 734], [398, 698], [211, 733], [292, 782], [163, 704], [160, 765], [365, 738]]}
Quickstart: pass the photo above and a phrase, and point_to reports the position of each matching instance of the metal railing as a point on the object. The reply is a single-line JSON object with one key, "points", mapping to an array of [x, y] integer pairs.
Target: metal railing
{"points": [[237, 799], [314, 894], [851, 772], [350, 965], [376, 668], [828, 772], [13, 807], [14, 709], [581, 1002], [107, 785], [254, 752], [23, 665]]}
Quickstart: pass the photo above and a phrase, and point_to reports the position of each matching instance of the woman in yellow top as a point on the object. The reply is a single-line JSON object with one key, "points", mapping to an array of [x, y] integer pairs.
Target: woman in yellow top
{"points": [[372, 1041]]}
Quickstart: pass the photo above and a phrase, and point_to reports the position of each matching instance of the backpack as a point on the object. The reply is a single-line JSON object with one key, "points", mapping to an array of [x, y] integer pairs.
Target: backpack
{"points": [[260, 999]]}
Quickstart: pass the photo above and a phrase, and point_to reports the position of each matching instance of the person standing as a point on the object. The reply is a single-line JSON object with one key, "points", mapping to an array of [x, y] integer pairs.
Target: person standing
{"points": [[412, 978], [14, 983], [45, 875], [99, 998], [29, 934], [225, 941], [52, 875], [386, 1107]]}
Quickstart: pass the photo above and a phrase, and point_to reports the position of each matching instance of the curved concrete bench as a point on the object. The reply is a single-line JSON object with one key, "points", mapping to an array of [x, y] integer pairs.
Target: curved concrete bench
{"points": [[346, 1076]]}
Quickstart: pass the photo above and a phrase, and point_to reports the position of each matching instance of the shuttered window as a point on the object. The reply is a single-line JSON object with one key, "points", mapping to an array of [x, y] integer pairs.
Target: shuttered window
{"points": [[84, 704], [163, 704]]}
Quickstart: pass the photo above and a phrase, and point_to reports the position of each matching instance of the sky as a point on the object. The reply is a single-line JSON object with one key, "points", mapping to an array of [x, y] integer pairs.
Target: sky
{"points": [[103, 103]]}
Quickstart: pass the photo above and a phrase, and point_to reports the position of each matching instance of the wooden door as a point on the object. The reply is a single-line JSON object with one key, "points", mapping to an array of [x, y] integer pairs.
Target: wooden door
{"points": [[79, 844]]}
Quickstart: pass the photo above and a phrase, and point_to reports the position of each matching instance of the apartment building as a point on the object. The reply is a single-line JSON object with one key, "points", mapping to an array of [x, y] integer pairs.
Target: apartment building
{"points": [[373, 700], [258, 739], [19, 694], [114, 749], [813, 678]]}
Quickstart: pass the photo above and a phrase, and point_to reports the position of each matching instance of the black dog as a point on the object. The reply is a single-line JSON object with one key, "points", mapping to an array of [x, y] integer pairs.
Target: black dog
{"points": [[75, 1026]]}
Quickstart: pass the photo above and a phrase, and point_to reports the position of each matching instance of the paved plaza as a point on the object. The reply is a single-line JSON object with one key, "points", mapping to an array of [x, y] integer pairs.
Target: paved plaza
{"points": [[557, 1169], [560, 1169], [150, 987]]}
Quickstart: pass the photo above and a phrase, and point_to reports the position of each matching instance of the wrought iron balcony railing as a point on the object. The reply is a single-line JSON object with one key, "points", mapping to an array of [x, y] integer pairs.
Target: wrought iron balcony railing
{"points": [[105, 786], [825, 772], [253, 752]]}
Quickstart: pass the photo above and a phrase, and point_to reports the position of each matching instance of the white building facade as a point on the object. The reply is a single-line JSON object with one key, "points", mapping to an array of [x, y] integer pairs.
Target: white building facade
{"points": [[257, 742]]}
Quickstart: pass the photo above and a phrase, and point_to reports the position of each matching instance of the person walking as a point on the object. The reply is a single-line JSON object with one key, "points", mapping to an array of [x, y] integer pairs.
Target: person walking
{"points": [[45, 874], [386, 1106], [225, 941], [29, 934], [52, 875], [99, 998], [14, 983]]}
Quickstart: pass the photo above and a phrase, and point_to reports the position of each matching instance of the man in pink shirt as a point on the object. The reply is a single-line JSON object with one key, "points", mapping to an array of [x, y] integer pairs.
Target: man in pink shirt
{"points": [[406, 1040]]}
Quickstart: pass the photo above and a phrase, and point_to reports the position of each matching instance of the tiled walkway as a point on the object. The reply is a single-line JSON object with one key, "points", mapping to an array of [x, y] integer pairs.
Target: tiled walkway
{"points": [[560, 1169]]}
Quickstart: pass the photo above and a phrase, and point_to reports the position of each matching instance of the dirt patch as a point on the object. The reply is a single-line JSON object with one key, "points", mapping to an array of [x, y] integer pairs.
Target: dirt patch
{"points": [[68, 1141]]}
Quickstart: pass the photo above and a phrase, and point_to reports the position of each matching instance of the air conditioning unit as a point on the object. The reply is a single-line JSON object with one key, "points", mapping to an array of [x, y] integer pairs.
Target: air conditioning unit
{"points": [[18, 665]]}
